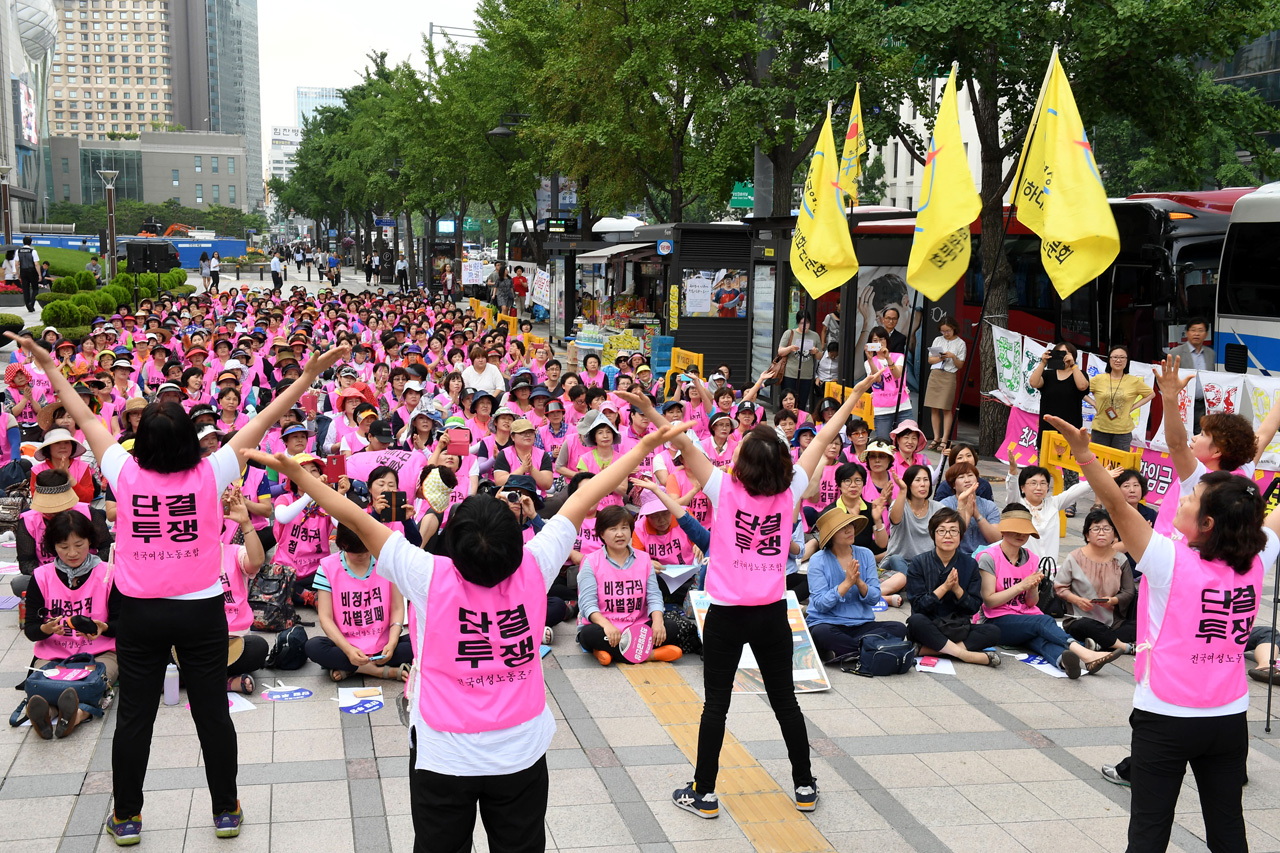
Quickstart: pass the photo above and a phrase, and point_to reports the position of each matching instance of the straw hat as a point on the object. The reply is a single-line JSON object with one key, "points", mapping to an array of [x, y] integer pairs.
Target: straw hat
{"points": [[52, 499], [55, 436], [1017, 521], [44, 417], [834, 519]]}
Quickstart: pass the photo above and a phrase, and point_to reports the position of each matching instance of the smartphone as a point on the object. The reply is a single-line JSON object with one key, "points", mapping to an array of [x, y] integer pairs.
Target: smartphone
{"points": [[309, 403], [1099, 600], [873, 347], [335, 468], [84, 624], [399, 501], [1057, 360], [459, 441]]}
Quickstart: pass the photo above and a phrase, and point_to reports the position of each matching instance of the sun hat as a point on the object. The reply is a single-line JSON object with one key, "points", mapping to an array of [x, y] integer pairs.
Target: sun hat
{"points": [[835, 518], [54, 436], [1018, 521], [53, 499], [878, 445]]}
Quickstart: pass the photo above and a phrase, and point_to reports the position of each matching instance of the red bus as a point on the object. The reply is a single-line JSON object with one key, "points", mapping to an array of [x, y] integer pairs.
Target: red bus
{"points": [[1170, 248]]}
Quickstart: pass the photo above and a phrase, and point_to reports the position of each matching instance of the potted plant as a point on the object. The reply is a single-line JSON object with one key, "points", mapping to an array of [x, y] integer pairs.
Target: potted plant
{"points": [[10, 295], [10, 323]]}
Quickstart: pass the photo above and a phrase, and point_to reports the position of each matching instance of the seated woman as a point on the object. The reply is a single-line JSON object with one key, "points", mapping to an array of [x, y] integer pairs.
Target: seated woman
{"points": [[1032, 487], [1010, 588], [361, 614], [618, 590], [60, 451], [945, 592], [843, 588], [239, 563], [981, 516], [1098, 585], [909, 516], [53, 494], [302, 532], [960, 453], [383, 482], [75, 584]]}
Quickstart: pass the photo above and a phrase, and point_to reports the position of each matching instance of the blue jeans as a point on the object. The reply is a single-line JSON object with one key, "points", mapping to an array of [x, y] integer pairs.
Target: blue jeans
{"points": [[1040, 633], [894, 563], [886, 423]]}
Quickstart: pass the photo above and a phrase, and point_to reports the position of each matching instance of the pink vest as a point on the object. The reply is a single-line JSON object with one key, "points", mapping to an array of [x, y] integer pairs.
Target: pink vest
{"points": [[622, 596], [304, 541], [828, 491], [88, 599], [1195, 660], [513, 461], [168, 529], [361, 606], [749, 544], [587, 541], [1008, 575], [35, 524], [551, 443], [235, 591], [700, 506], [722, 459], [483, 671], [672, 548], [884, 392], [592, 464]]}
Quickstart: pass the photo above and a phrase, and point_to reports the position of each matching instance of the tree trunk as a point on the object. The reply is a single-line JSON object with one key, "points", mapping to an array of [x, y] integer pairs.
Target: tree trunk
{"points": [[504, 224], [784, 168], [993, 416], [408, 246]]}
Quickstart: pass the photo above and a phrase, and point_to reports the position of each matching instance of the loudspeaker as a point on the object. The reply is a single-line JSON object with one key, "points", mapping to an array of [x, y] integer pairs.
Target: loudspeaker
{"points": [[138, 257]]}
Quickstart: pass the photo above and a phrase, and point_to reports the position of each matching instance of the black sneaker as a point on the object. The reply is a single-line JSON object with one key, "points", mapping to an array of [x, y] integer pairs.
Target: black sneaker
{"points": [[807, 797], [703, 805]]}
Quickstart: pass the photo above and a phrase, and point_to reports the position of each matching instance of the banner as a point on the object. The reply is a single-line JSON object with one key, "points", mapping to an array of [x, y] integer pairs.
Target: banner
{"points": [[1029, 398], [542, 289], [1021, 438], [1008, 349], [1223, 392], [806, 667], [473, 272], [1142, 419], [1158, 471], [1263, 392], [1186, 409]]}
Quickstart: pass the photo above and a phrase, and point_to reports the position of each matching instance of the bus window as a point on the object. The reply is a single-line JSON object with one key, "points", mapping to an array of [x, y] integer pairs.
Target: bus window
{"points": [[1079, 316], [1249, 285], [1031, 290], [1197, 266]]}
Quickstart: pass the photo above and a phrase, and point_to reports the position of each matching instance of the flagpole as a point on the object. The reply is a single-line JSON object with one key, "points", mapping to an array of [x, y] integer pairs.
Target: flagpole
{"points": [[988, 274]]}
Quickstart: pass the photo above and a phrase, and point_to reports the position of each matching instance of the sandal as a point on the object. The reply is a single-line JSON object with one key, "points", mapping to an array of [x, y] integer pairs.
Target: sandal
{"points": [[1098, 664], [338, 674], [893, 600], [993, 657], [933, 445], [405, 670], [240, 684]]}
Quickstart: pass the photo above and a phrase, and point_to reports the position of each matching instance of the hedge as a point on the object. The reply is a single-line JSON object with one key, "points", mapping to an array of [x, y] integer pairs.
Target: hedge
{"points": [[86, 281], [62, 313], [122, 294], [66, 284], [46, 298], [86, 299], [183, 291], [106, 302]]}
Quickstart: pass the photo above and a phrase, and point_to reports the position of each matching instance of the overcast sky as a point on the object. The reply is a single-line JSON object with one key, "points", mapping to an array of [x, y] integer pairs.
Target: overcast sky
{"points": [[326, 42]]}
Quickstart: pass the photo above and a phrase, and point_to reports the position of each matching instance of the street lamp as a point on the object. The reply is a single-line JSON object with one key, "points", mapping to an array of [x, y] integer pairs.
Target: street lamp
{"points": [[4, 200], [109, 178]]}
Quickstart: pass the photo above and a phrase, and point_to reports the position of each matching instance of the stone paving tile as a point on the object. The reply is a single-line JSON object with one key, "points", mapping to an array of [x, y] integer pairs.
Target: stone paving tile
{"points": [[978, 839], [306, 745], [939, 806], [1007, 802], [634, 731], [160, 839], [892, 771], [304, 800], [573, 826], [16, 817], [680, 826], [315, 836]]}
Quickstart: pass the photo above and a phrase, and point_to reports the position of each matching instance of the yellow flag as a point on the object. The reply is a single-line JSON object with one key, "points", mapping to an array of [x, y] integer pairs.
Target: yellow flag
{"points": [[948, 205], [822, 256], [855, 145], [1060, 195]]}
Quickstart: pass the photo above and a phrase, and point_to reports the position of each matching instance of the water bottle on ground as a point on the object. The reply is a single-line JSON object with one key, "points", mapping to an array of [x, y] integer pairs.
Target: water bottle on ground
{"points": [[171, 685]]}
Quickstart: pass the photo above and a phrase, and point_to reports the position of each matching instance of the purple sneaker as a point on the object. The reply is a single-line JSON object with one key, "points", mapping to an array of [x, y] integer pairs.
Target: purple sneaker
{"points": [[125, 832], [227, 824]]}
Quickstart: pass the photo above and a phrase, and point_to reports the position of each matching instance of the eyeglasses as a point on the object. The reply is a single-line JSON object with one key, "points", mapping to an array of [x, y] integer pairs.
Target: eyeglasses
{"points": [[948, 533]]}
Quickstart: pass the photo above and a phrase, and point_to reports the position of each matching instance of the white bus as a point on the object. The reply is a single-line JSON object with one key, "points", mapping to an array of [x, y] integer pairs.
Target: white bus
{"points": [[1248, 310]]}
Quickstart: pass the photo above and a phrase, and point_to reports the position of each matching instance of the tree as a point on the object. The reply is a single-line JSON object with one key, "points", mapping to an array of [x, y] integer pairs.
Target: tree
{"points": [[872, 186]]}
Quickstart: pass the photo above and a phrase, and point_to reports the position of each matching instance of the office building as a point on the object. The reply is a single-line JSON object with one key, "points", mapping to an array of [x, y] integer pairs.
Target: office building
{"points": [[215, 78], [27, 35], [1256, 66], [284, 148], [193, 169], [311, 98]]}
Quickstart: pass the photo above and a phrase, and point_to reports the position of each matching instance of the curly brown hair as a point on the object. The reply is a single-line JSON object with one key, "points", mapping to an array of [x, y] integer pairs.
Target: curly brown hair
{"points": [[1234, 438]]}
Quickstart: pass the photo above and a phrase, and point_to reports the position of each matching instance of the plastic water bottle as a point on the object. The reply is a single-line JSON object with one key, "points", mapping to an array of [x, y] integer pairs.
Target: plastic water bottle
{"points": [[171, 685]]}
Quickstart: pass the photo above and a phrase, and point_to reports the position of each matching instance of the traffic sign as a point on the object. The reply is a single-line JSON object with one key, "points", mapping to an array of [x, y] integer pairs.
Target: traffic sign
{"points": [[333, 232], [743, 194], [385, 223], [251, 230]]}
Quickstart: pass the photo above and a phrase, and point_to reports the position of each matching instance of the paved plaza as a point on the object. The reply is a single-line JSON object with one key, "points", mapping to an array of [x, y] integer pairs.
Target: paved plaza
{"points": [[987, 760]]}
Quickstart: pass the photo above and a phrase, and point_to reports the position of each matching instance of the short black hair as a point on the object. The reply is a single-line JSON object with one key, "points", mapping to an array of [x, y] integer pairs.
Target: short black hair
{"points": [[381, 471], [596, 393], [1197, 321], [483, 540], [1132, 474], [576, 481], [1031, 471], [69, 522], [347, 540], [849, 470], [166, 442], [612, 516]]}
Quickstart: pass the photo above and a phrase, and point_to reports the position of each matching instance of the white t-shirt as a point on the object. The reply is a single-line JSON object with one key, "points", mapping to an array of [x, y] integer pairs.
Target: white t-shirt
{"points": [[799, 482], [226, 469], [955, 346], [495, 753], [1156, 566], [490, 380]]}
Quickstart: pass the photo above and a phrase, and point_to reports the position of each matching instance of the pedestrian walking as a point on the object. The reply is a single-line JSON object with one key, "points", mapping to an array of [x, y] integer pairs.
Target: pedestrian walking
{"points": [[29, 273], [402, 274], [277, 268]]}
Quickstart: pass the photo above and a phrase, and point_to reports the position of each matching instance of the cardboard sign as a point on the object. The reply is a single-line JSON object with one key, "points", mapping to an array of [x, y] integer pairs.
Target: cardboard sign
{"points": [[807, 672], [1021, 438]]}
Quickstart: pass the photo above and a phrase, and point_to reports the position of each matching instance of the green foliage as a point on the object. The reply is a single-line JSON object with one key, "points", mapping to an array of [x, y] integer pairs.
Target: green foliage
{"points": [[872, 187], [123, 279], [86, 281], [131, 216], [182, 290], [123, 295], [64, 261], [46, 298], [62, 313], [11, 323], [86, 299], [66, 284], [106, 302]]}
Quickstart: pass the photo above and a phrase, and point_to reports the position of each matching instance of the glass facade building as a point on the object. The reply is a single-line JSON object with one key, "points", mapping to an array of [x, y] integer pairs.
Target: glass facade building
{"points": [[1255, 66], [231, 28], [311, 98], [128, 182]]}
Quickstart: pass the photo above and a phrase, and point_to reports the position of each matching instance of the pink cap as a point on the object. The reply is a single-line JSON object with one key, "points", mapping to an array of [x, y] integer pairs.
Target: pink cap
{"points": [[650, 504]]}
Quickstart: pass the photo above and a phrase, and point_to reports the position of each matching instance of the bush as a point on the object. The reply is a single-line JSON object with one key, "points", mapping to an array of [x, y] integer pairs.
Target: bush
{"points": [[11, 323], [46, 298], [183, 290], [66, 284], [105, 301], [61, 313], [86, 299], [148, 279], [123, 295], [123, 279], [86, 281]]}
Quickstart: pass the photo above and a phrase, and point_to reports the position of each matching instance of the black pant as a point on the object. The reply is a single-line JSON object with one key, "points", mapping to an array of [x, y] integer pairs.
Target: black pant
{"points": [[1104, 635], [801, 388], [557, 611], [214, 277], [513, 808], [325, 652], [1216, 748], [847, 639], [799, 584], [30, 287], [252, 658], [402, 279], [276, 279], [148, 628], [591, 637], [930, 634], [724, 633]]}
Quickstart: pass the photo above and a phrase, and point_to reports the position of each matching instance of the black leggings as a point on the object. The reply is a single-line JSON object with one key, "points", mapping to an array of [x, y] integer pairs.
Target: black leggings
{"points": [[591, 637], [923, 630], [252, 659], [325, 652], [724, 633], [148, 628], [842, 640], [1216, 748], [1104, 635]]}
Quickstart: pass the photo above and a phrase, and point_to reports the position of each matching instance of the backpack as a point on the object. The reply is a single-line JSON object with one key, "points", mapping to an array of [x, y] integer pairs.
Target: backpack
{"points": [[271, 597], [880, 654], [26, 259], [289, 651]]}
